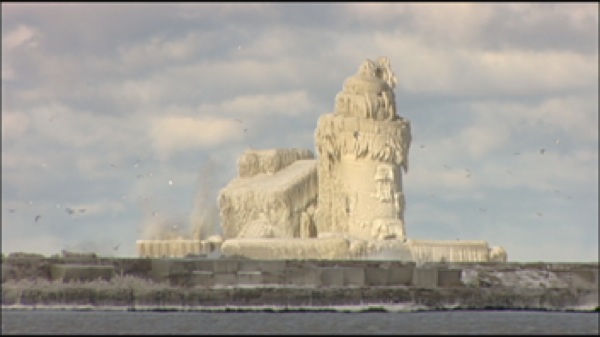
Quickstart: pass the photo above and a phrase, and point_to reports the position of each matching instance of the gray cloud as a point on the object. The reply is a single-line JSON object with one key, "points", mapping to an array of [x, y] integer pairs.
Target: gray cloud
{"points": [[103, 104]]}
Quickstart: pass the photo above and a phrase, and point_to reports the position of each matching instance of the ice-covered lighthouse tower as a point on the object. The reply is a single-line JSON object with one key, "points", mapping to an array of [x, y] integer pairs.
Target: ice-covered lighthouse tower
{"points": [[363, 148]]}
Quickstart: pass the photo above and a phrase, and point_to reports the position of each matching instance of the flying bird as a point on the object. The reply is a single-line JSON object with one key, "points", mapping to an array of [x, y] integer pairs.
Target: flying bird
{"points": [[69, 210], [517, 153], [539, 214], [542, 150], [12, 210], [422, 146], [37, 217], [116, 247]]}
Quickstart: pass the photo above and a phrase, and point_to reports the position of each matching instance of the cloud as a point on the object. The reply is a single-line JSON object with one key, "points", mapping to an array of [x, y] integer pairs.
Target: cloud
{"points": [[473, 73], [161, 49], [240, 13], [543, 172], [529, 72], [451, 23], [574, 116], [293, 103], [374, 12], [482, 140], [492, 27], [14, 124], [22, 36], [178, 133]]}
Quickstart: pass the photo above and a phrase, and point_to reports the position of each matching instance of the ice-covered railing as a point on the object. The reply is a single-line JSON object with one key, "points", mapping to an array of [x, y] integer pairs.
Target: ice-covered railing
{"points": [[177, 247], [449, 251]]}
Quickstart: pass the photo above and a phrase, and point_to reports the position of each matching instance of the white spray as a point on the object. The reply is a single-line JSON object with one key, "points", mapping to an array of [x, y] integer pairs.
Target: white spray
{"points": [[205, 218]]}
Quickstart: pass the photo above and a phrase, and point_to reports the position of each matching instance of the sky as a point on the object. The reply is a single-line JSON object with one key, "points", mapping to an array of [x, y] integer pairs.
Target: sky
{"points": [[119, 120]]}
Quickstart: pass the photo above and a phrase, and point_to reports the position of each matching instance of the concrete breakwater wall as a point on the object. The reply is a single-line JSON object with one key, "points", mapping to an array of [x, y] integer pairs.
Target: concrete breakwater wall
{"points": [[201, 282]]}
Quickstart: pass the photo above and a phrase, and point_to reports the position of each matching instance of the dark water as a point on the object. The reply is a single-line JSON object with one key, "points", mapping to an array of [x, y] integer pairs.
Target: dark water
{"points": [[437, 322]]}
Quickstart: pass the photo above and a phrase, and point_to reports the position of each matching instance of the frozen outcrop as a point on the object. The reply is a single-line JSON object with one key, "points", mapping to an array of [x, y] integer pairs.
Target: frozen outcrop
{"points": [[290, 249], [344, 247], [363, 148], [271, 200], [347, 204]]}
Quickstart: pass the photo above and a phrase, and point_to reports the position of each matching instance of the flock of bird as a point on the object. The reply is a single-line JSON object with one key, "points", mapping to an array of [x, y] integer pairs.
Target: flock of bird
{"points": [[468, 175], [72, 211]]}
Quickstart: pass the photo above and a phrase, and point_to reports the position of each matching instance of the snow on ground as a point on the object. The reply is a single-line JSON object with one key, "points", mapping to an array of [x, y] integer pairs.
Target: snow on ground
{"points": [[514, 278]]}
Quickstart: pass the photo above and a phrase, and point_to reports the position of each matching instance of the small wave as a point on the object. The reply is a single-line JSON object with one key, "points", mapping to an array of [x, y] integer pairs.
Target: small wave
{"points": [[361, 308]]}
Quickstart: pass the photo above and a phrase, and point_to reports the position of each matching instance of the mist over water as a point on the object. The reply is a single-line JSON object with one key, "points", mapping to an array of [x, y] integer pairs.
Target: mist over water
{"points": [[167, 228], [203, 220], [161, 221]]}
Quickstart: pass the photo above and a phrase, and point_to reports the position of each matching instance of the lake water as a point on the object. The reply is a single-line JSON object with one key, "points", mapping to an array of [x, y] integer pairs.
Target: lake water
{"points": [[186, 322]]}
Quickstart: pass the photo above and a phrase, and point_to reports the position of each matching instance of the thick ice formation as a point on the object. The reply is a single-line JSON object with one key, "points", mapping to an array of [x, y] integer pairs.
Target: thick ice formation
{"points": [[275, 200], [288, 249], [362, 148], [253, 162], [347, 204]]}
